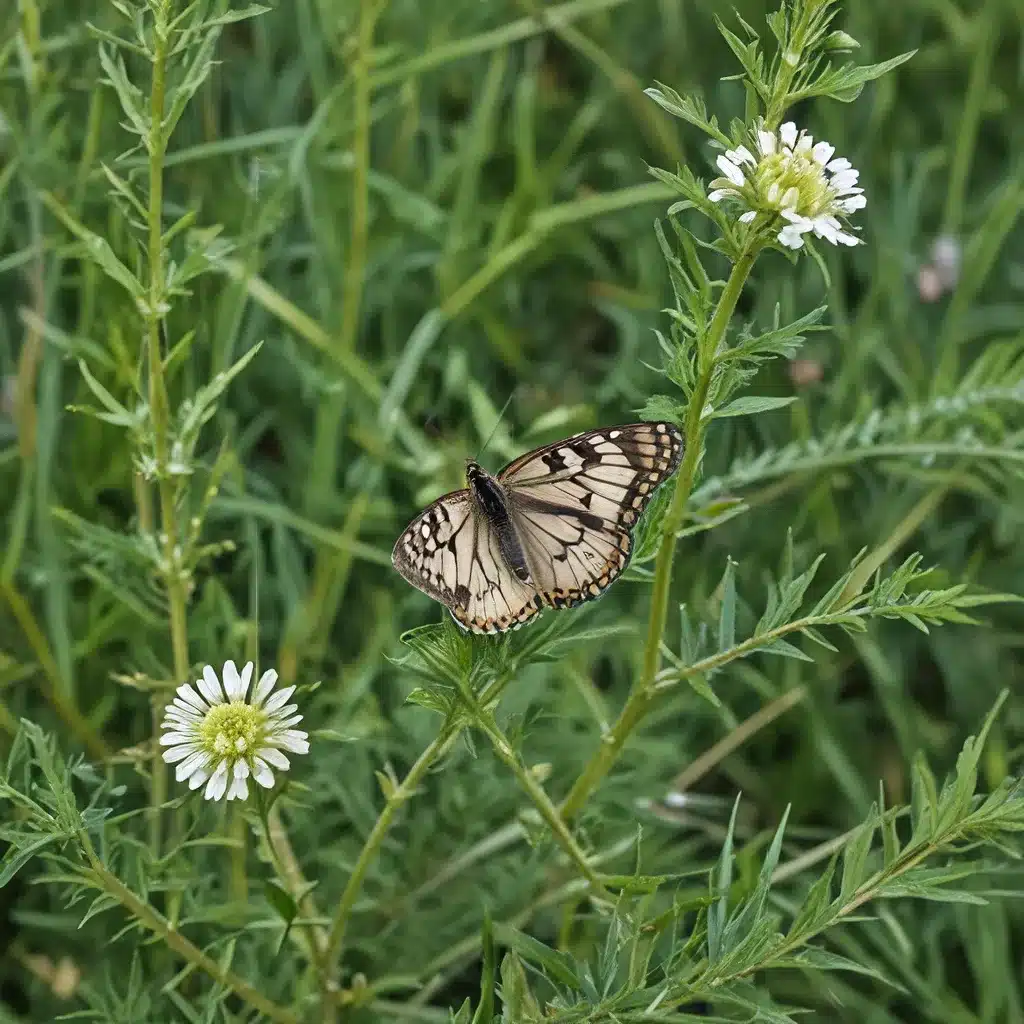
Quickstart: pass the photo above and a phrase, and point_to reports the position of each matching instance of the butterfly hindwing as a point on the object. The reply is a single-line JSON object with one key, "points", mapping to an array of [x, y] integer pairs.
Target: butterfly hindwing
{"points": [[575, 504], [571, 507], [451, 553]]}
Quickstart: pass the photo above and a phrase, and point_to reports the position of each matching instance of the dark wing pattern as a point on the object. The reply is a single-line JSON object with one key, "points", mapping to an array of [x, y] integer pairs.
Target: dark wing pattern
{"points": [[574, 504], [451, 553]]}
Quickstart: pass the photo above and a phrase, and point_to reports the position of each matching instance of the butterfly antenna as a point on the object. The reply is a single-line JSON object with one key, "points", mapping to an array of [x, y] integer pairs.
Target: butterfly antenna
{"points": [[494, 429]]}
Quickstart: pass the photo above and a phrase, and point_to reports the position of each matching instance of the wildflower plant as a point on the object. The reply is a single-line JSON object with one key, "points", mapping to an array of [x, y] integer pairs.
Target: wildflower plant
{"points": [[478, 830]]}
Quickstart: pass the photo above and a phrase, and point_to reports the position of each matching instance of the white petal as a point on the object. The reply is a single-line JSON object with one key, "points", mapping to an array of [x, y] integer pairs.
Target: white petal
{"points": [[218, 782], [844, 180], [822, 153], [731, 171], [246, 679], [790, 237], [852, 204], [190, 764], [799, 222], [747, 217], [294, 740], [766, 142], [719, 194], [232, 681], [840, 164], [209, 686], [169, 739], [181, 714], [279, 699], [288, 722], [278, 716], [239, 789], [264, 686], [846, 239], [198, 777], [744, 156], [262, 774], [190, 698], [176, 725], [827, 228], [804, 144], [790, 198], [178, 753], [241, 770], [275, 757], [788, 134]]}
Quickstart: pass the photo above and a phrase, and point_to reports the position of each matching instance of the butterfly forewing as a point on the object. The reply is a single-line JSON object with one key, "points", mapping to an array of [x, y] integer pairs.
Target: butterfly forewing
{"points": [[575, 504], [572, 505], [451, 553]]}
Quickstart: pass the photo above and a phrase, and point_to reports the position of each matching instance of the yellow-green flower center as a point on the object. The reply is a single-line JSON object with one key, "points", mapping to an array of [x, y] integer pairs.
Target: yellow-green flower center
{"points": [[232, 730], [801, 183]]}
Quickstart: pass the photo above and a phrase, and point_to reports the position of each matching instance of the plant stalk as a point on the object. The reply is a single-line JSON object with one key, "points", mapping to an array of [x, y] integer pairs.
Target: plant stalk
{"points": [[160, 926], [159, 405], [643, 691]]}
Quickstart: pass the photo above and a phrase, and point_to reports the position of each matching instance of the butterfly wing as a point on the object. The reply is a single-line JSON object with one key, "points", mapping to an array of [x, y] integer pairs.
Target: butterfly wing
{"points": [[574, 504], [450, 551]]}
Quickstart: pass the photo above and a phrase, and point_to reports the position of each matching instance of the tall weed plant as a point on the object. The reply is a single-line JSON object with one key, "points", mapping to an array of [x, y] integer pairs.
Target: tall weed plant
{"points": [[268, 277]]}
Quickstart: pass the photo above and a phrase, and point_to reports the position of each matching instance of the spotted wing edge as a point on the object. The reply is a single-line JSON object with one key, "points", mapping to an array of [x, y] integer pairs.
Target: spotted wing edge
{"points": [[637, 497], [411, 537]]}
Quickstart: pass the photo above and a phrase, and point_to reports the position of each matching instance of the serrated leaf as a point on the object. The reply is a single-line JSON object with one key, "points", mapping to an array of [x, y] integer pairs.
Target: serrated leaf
{"points": [[748, 405], [727, 612], [855, 856], [784, 649], [518, 1002], [924, 801], [820, 959], [698, 682], [485, 1010], [97, 249], [721, 881], [434, 698], [817, 903], [21, 851], [558, 966]]}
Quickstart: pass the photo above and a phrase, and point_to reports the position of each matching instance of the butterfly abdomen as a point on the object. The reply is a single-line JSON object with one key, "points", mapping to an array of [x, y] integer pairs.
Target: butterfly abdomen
{"points": [[491, 502]]}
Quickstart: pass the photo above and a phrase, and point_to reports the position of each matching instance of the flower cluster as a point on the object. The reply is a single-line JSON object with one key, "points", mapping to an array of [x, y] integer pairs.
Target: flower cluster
{"points": [[795, 179], [219, 736]]}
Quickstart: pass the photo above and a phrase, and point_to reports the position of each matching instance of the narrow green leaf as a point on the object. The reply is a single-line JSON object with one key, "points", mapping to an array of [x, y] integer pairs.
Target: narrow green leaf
{"points": [[727, 613], [750, 404], [855, 856], [816, 958], [558, 965], [721, 879], [21, 851], [485, 1009]]}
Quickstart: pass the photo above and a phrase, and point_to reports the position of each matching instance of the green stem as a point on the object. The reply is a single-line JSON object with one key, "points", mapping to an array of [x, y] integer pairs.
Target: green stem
{"points": [[643, 691], [159, 406], [160, 926], [402, 792], [431, 754], [548, 811]]}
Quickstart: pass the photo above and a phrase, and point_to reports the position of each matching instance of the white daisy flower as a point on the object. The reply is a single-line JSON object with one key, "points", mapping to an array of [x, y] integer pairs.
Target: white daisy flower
{"points": [[221, 737], [794, 183]]}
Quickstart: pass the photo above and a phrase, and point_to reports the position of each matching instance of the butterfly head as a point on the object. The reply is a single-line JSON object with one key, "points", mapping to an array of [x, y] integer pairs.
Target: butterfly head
{"points": [[474, 472]]}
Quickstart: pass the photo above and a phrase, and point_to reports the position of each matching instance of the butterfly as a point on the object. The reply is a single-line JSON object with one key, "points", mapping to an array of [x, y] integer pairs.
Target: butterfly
{"points": [[553, 529]]}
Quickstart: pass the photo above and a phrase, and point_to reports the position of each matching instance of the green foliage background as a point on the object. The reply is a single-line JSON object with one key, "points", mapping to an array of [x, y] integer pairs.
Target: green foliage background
{"points": [[509, 250]]}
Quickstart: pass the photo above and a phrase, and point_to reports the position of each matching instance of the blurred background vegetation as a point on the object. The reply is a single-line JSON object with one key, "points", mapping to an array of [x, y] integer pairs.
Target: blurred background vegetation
{"points": [[434, 211]]}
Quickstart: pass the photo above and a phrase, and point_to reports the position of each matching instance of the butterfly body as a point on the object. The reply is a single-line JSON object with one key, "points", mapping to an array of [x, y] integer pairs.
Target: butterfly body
{"points": [[552, 529]]}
